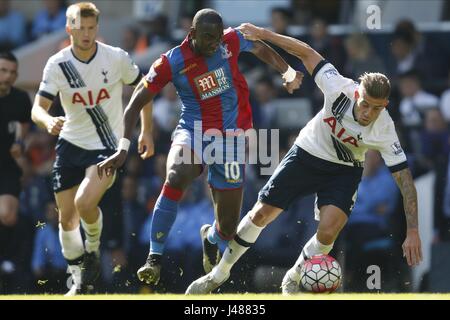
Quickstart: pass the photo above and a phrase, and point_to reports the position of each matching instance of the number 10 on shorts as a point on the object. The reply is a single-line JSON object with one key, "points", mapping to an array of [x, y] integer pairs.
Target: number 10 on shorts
{"points": [[232, 170]]}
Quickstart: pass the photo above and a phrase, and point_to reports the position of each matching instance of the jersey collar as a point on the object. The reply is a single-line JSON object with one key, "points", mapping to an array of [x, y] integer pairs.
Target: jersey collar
{"points": [[353, 112], [92, 58]]}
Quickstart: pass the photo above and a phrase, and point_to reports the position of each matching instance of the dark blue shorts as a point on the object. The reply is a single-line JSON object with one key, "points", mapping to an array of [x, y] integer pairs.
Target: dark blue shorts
{"points": [[300, 174], [71, 163], [228, 172]]}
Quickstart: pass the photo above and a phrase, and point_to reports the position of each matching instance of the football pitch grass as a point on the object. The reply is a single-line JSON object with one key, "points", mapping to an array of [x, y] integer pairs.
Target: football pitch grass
{"points": [[247, 296]]}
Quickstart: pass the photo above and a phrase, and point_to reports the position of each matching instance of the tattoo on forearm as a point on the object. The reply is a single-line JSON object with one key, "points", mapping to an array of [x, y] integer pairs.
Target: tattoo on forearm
{"points": [[405, 182]]}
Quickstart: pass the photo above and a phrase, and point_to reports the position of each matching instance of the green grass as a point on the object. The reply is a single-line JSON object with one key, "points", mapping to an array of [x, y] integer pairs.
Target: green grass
{"points": [[249, 296]]}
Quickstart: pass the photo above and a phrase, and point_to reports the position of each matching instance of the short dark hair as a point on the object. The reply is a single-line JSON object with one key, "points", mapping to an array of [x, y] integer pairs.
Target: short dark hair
{"points": [[207, 16], [8, 55], [376, 84]]}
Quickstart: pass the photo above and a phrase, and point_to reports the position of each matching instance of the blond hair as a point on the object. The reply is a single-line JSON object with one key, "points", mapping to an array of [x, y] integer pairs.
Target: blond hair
{"points": [[81, 9], [376, 85]]}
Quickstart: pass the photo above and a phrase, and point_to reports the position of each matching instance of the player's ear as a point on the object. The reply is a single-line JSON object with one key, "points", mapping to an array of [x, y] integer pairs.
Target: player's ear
{"points": [[386, 103], [68, 30], [356, 94]]}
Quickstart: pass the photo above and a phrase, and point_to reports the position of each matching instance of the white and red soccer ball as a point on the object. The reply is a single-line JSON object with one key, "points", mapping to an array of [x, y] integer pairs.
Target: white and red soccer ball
{"points": [[321, 273]]}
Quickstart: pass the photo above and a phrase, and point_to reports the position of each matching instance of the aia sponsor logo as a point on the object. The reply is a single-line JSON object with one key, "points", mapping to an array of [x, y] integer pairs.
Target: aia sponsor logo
{"points": [[90, 98], [341, 134]]}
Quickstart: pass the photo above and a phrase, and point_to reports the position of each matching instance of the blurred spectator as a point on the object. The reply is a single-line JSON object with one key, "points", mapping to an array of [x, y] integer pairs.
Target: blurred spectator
{"points": [[265, 94], [328, 46], [184, 24], [51, 18], [445, 101], [113, 257], [130, 41], [280, 19], [12, 27], [414, 99], [134, 215], [15, 118], [435, 139], [412, 107], [157, 30], [444, 224], [428, 54], [408, 27], [167, 109], [368, 233], [361, 57], [40, 152], [302, 12], [408, 50], [434, 156], [48, 264]]}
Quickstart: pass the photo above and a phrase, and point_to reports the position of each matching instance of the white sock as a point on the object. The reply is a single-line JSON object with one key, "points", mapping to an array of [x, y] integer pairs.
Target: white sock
{"points": [[71, 243], [93, 232], [72, 250], [312, 247], [247, 233]]}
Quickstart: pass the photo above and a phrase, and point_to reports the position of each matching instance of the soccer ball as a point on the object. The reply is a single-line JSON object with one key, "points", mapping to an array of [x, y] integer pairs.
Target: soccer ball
{"points": [[321, 273]]}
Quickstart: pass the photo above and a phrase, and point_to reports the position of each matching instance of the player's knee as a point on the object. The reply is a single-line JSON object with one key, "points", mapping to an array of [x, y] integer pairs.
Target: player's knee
{"points": [[327, 235], [176, 179], [262, 216], [85, 204], [69, 223]]}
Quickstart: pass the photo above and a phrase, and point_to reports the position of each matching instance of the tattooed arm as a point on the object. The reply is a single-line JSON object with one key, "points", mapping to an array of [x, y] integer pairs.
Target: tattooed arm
{"points": [[412, 246]]}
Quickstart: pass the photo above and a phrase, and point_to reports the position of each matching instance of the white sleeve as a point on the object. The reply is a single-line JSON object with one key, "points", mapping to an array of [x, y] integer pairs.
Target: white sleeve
{"points": [[130, 71], [49, 86], [328, 79], [390, 148]]}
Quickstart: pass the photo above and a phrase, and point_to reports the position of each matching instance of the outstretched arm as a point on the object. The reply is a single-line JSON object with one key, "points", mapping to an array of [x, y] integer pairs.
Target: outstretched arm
{"points": [[141, 97], [271, 57], [146, 146], [412, 246], [301, 50]]}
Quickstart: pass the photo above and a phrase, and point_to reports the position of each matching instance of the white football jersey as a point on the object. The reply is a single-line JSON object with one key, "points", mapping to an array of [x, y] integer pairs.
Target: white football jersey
{"points": [[91, 94], [335, 135]]}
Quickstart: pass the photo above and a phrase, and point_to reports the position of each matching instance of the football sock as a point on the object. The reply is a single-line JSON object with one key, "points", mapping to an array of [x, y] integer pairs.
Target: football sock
{"points": [[72, 250], [214, 236], [93, 232], [312, 247], [246, 236], [164, 216]]}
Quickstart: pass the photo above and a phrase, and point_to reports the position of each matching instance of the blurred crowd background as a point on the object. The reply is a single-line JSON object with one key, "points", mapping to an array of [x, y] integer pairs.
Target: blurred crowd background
{"points": [[412, 47]]}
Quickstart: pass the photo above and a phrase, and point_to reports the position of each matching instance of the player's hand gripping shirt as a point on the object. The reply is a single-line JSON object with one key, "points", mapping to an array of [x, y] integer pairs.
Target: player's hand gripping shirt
{"points": [[211, 89], [91, 94], [335, 135]]}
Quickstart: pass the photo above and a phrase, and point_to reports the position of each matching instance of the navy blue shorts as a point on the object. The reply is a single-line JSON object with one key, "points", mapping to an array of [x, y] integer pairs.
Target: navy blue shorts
{"points": [[71, 163], [300, 174]]}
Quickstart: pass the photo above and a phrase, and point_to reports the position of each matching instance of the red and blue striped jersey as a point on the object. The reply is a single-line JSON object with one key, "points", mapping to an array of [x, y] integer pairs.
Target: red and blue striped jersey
{"points": [[211, 89]]}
